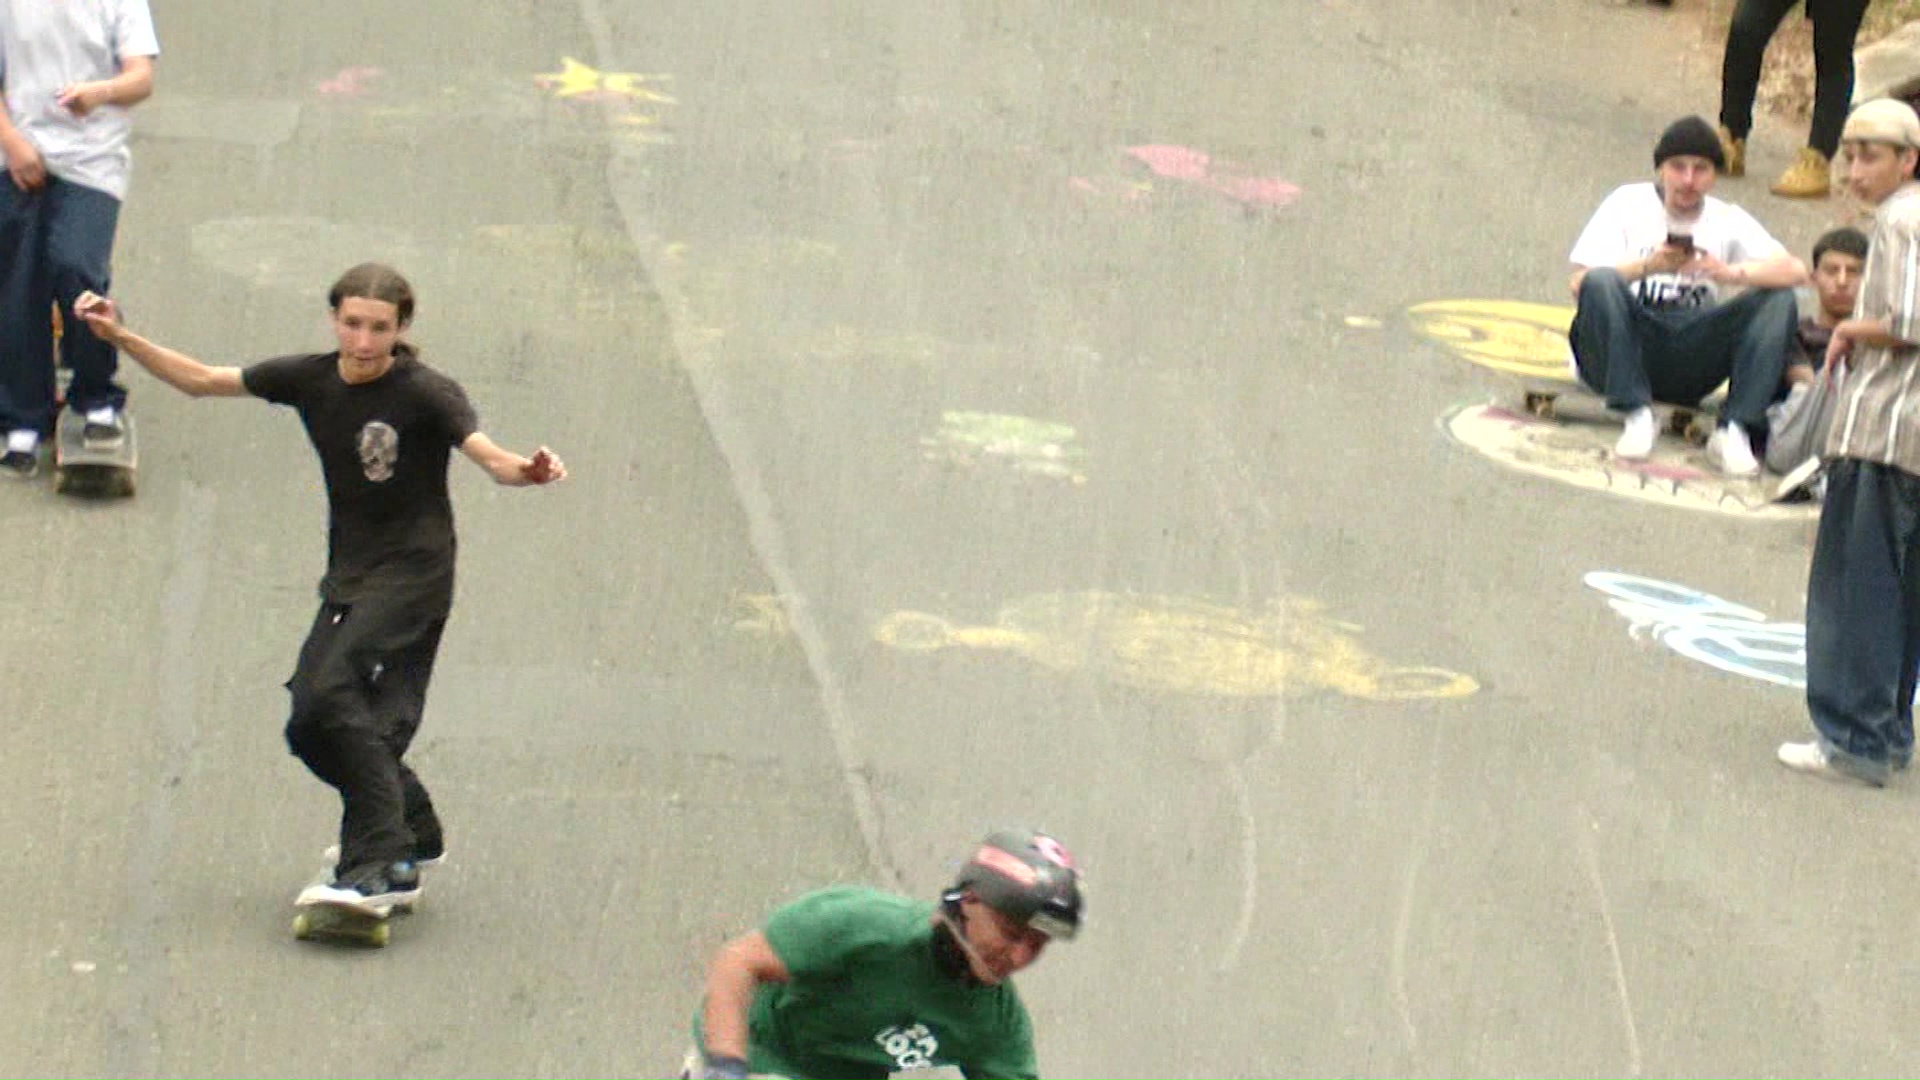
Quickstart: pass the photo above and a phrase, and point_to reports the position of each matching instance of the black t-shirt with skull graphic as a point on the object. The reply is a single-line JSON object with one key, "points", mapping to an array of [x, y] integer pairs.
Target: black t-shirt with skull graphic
{"points": [[384, 448]]}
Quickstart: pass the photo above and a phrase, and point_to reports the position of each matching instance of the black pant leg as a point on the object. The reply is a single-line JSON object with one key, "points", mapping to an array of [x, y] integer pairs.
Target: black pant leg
{"points": [[335, 730], [401, 699], [1836, 23], [1754, 23]]}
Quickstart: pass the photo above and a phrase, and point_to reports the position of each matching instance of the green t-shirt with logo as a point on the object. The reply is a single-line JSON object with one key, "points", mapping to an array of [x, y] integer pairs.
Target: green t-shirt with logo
{"points": [[866, 997]]}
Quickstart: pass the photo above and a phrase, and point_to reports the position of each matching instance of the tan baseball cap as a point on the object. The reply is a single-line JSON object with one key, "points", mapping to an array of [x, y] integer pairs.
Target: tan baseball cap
{"points": [[1883, 120]]}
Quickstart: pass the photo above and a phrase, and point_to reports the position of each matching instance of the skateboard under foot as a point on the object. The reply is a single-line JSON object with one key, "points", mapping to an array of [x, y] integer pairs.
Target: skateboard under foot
{"points": [[88, 469]]}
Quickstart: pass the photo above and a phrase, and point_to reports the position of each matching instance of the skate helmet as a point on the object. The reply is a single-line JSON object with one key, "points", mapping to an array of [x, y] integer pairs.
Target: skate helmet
{"points": [[1028, 877]]}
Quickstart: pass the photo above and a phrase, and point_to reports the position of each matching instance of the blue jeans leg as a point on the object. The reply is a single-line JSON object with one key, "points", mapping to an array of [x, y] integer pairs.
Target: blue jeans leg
{"points": [[26, 313], [1863, 613], [79, 257], [1608, 339]]}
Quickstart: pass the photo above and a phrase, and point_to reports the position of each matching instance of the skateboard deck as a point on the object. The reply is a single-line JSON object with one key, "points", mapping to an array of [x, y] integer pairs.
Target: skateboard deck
{"points": [[96, 471], [334, 921], [1575, 403]]}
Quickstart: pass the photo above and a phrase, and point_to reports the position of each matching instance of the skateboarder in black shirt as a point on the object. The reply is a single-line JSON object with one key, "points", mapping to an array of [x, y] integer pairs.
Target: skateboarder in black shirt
{"points": [[383, 424]]}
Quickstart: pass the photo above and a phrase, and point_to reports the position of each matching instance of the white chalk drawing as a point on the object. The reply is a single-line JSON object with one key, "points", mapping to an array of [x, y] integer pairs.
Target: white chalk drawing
{"points": [[1704, 627]]}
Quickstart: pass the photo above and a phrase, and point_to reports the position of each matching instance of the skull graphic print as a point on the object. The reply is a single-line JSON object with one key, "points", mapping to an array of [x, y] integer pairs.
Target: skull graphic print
{"points": [[379, 448]]}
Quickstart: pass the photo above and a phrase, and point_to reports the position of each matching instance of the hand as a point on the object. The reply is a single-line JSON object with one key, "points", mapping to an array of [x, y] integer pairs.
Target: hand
{"points": [[101, 315], [1667, 259], [24, 164], [1839, 347], [724, 1068], [545, 467], [1707, 266], [82, 98]]}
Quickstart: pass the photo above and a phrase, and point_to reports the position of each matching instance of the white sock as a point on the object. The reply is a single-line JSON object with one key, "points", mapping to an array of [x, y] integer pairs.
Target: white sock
{"points": [[101, 415], [25, 440]]}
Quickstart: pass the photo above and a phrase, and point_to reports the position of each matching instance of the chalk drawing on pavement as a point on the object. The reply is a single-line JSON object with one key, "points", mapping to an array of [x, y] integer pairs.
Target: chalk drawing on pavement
{"points": [[1241, 185], [1025, 445], [1184, 645], [1700, 626], [1505, 335], [1581, 454]]}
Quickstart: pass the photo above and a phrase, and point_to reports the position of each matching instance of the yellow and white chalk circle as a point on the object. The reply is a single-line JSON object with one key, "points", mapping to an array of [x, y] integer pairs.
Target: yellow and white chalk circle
{"points": [[1183, 645]]}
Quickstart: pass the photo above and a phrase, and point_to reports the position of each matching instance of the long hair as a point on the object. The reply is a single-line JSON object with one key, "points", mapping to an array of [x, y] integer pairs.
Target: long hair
{"points": [[376, 281]]}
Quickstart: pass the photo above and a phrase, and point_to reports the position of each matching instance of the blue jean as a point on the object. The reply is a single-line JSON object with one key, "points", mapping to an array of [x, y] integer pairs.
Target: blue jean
{"points": [[1863, 616], [55, 244], [1636, 355]]}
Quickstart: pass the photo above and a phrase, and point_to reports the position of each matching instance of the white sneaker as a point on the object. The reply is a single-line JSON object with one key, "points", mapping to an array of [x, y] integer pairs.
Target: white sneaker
{"points": [[1811, 757], [24, 441], [1637, 434], [1731, 452]]}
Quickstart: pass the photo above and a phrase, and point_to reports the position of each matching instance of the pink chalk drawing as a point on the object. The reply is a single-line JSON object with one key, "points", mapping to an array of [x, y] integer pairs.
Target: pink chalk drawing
{"points": [[1227, 179], [351, 82]]}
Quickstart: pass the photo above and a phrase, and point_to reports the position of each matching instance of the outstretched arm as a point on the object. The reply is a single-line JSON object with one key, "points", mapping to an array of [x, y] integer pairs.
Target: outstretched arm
{"points": [[509, 468], [178, 370], [737, 971], [132, 86]]}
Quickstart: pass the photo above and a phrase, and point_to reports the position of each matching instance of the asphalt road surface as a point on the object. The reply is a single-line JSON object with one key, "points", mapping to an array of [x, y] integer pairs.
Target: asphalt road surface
{"points": [[979, 414]]}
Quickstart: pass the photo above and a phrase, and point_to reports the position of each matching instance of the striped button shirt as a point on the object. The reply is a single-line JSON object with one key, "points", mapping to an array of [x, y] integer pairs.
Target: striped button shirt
{"points": [[1879, 413]]}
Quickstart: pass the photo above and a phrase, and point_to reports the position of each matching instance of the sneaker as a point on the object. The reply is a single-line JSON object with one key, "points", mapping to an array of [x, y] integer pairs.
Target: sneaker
{"points": [[376, 887], [1637, 434], [1812, 757], [1799, 484], [103, 428], [1809, 177], [22, 464], [1732, 454], [1735, 151]]}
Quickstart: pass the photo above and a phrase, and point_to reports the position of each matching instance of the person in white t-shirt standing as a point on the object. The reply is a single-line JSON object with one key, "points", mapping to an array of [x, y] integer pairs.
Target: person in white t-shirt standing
{"points": [[69, 72], [1657, 317]]}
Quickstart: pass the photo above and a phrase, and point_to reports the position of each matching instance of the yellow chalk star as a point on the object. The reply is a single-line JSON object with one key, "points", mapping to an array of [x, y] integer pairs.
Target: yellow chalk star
{"points": [[578, 80], [573, 79]]}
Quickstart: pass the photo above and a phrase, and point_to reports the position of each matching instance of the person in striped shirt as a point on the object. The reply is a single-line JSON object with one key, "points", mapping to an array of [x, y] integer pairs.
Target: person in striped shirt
{"points": [[1863, 592]]}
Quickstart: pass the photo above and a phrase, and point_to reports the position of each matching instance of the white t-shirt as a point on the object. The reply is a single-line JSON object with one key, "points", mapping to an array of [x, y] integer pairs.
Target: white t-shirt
{"points": [[48, 45], [1632, 222]]}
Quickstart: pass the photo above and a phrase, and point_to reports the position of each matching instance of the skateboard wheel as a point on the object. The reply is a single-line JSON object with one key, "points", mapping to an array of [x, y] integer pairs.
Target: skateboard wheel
{"points": [[380, 934], [302, 926]]}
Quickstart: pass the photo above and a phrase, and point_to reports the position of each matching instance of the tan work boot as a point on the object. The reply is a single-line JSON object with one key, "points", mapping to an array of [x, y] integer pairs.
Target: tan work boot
{"points": [[1809, 177], [1735, 150]]}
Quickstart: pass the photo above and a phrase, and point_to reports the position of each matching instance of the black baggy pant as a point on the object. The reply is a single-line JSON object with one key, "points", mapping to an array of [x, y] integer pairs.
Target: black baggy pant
{"points": [[1863, 613], [358, 692], [1836, 23]]}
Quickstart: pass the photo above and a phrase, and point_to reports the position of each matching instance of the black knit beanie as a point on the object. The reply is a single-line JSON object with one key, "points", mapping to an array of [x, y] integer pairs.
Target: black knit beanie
{"points": [[1691, 135]]}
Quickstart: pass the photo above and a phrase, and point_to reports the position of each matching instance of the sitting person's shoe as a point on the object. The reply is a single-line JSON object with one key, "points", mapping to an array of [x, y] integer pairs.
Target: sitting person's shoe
{"points": [[1637, 434], [1809, 177], [104, 428], [1812, 758], [1735, 151], [1732, 454]]}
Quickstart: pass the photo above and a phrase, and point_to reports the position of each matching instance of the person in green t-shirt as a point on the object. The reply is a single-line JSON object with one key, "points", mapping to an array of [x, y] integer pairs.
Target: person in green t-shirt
{"points": [[850, 982]]}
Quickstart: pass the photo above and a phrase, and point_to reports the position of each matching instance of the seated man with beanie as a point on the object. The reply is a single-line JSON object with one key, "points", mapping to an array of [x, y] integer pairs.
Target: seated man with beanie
{"points": [[1657, 315]]}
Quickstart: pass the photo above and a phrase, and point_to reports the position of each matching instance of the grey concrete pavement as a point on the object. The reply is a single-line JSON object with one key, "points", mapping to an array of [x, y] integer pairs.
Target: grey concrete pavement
{"points": [[787, 625]]}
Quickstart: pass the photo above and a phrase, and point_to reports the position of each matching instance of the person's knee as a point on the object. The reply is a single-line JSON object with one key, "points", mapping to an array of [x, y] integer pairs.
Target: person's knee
{"points": [[1603, 287]]}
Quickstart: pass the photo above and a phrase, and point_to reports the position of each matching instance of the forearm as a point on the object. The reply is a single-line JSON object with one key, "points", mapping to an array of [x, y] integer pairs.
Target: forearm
{"points": [[1787, 273], [1630, 271], [176, 369], [132, 86], [8, 132], [1873, 333], [723, 1023]]}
